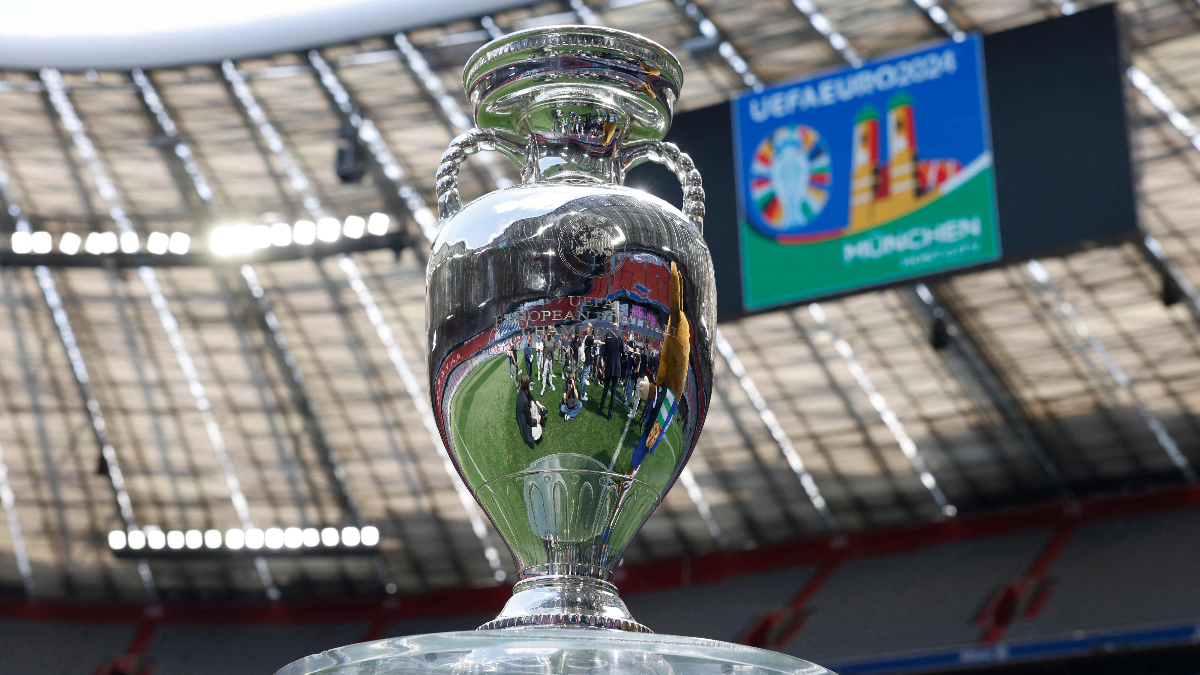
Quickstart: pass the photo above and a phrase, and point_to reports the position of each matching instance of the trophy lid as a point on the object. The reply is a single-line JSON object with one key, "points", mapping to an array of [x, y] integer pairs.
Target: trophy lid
{"points": [[540, 79]]}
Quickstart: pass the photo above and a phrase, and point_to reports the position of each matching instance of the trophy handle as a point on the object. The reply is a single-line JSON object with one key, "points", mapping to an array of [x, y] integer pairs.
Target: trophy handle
{"points": [[670, 156], [473, 141]]}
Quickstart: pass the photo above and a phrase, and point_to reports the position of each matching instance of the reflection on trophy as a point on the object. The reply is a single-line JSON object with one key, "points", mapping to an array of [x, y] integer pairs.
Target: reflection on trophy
{"points": [[622, 281]]}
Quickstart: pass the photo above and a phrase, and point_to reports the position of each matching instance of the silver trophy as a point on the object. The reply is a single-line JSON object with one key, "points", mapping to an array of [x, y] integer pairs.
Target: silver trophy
{"points": [[570, 326]]}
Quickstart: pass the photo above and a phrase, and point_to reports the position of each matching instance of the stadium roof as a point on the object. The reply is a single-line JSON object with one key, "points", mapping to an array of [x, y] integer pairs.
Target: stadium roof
{"points": [[283, 394]]}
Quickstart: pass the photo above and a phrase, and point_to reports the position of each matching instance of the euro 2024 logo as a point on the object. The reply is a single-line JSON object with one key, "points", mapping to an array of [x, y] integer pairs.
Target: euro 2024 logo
{"points": [[790, 180]]}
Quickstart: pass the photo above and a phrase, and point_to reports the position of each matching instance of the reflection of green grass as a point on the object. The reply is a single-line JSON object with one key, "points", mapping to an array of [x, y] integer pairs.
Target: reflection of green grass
{"points": [[483, 417]]}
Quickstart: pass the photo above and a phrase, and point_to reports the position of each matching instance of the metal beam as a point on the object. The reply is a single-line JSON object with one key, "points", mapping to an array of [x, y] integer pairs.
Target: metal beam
{"points": [[33, 390], [886, 415], [180, 158], [1063, 312], [66, 336], [244, 97], [964, 358], [731, 55], [56, 91], [8, 499], [382, 159]]}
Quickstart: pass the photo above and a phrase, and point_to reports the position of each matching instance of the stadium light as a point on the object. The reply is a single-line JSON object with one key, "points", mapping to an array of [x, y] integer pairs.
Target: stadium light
{"points": [[92, 244], [312, 537], [130, 242], [328, 229], [354, 227], [194, 539], [221, 240], [212, 538], [108, 242], [179, 243], [304, 232], [40, 242], [293, 537], [157, 243], [281, 234], [69, 243], [234, 539], [155, 539], [22, 242], [254, 538], [378, 223], [260, 236]]}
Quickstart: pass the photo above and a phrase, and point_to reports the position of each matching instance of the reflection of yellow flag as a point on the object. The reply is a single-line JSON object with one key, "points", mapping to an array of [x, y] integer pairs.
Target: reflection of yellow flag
{"points": [[673, 363]]}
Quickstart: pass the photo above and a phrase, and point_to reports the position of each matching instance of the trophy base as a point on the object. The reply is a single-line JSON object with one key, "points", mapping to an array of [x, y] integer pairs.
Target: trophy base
{"points": [[565, 601], [542, 651]]}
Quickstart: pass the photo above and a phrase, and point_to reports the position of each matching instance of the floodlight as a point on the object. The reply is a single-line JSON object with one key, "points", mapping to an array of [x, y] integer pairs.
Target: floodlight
{"points": [[328, 229], [354, 227], [293, 537], [22, 242], [130, 243], [69, 243], [329, 536], [40, 242], [94, 244], [212, 538], [281, 234], [260, 236], [378, 223], [254, 538], [194, 539], [304, 232], [179, 243], [157, 243], [155, 539], [312, 537], [108, 242]]}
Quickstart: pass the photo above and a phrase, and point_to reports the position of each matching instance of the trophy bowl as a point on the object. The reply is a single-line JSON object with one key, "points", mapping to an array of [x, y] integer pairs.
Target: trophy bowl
{"points": [[570, 330], [570, 318]]}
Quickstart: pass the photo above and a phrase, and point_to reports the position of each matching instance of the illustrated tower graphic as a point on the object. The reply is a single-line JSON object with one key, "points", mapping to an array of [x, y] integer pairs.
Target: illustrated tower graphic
{"points": [[865, 168], [902, 159], [881, 191]]}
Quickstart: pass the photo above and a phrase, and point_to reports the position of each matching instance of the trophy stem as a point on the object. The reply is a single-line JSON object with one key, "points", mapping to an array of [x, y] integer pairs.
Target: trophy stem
{"points": [[566, 601]]}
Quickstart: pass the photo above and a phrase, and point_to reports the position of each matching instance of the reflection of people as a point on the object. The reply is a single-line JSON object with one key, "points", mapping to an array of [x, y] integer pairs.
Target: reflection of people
{"points": [[612, 351], [570, 405], [641, 392], [531, 415], [512, 364], [573, 353], [589, 358], [545, 359], [528, 342], [630, 371]]}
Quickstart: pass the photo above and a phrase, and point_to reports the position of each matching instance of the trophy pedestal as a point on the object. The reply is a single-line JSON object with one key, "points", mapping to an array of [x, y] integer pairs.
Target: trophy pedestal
{"points": [[549, 651]]}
